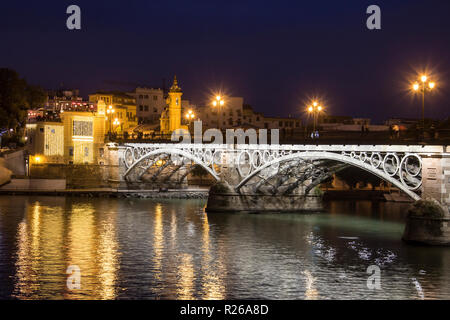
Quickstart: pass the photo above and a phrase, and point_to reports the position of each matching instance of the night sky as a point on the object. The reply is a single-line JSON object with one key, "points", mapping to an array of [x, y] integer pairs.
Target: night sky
{"points": [[276, 54]]}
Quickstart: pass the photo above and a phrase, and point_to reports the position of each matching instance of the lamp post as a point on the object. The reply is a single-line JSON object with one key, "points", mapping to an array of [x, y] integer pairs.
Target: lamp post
{"points": [[218, 102], [116, 122], [110, 111], [426, 85], [190, 116], [314, 109]]}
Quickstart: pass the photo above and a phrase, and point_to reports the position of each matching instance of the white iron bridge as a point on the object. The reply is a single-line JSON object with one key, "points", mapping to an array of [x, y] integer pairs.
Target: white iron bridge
{"points": [[279, 168]]}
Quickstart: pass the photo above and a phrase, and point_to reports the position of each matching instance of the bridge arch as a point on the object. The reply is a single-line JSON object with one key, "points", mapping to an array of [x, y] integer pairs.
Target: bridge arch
{"points": [[324, 155], [175, 152]]}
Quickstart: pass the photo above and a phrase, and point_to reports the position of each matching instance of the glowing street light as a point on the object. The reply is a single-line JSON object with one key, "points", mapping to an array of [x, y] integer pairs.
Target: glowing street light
{"points": [[218, 102], [110, 111], [190, 115], [422, 89], [315, 109]]}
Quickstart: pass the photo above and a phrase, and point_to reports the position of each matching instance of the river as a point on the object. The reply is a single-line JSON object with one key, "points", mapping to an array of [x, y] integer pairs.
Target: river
{"points": [[172, 249]]}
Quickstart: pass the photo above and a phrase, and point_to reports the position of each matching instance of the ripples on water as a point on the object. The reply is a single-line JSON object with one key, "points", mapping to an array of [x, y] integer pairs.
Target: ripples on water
{"points": [[146, 249]]}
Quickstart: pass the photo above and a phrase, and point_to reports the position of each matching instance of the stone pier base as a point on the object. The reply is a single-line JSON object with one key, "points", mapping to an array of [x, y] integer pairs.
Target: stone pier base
{"points": [[263, 203], [428, 223]]}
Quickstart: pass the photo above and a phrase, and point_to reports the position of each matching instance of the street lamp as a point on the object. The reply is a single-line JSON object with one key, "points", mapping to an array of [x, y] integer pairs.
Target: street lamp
{"points": [[218, 102], [315, 109], [189, 117], [116, 123], [110, 111], [426, 85]]}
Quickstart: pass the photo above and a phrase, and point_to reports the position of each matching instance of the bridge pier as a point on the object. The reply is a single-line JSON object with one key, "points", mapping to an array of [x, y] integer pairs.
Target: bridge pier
{"points": [[428, 220], [436, 178]]}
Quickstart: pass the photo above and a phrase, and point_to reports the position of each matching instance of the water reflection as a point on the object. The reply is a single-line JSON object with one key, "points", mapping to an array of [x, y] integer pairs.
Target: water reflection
{"points": [[108, 257], [213, 287], [311, 292], [174, 250]]}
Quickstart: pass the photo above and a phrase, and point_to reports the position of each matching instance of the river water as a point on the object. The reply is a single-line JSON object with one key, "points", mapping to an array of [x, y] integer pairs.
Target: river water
{"points": [[172, 249]]}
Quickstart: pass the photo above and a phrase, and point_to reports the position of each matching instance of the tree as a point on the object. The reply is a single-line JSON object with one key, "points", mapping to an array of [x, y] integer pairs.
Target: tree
{"points": [[13, 102], [35, 97], [16, 96]]}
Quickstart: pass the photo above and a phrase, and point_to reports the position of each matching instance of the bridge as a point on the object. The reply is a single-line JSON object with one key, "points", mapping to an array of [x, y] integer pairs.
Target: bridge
{"points": [[282, 177]]}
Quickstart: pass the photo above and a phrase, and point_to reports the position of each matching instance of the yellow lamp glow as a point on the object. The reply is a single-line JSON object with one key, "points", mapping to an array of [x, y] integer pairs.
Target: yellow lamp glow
{"points": [[424, 78], [310, 109], [214, 103], [319, 108], [431, 85], [415, 86]]}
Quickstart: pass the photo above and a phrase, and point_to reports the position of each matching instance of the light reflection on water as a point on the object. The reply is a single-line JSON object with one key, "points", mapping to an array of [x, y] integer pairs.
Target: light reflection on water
{"points": [[145, 249]]}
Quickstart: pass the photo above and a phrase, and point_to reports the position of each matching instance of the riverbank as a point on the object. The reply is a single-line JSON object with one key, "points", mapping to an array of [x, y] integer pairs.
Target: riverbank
{"points": [[191, 193]]}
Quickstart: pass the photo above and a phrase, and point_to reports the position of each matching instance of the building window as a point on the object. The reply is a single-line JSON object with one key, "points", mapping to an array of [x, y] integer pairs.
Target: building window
{"points": [[86, 151], [146, 108], [41, 129], [155, 98], [101, 152], [280, 123], [82, 128], [146, 96], [140, 96], [141, 108], [155, 110], [71, 151]]}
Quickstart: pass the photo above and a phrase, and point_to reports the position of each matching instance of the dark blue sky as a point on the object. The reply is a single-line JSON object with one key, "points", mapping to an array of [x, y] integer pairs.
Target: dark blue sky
{"points": [[275, 54]]}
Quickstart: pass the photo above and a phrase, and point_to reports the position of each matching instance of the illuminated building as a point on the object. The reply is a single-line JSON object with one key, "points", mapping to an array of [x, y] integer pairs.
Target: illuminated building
{"points": [[149, 104], [46, 141], [77, 137], [171, 116], [124, 107]]}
